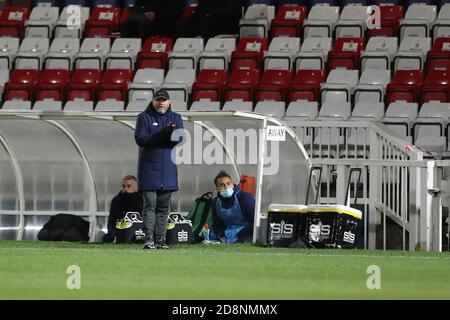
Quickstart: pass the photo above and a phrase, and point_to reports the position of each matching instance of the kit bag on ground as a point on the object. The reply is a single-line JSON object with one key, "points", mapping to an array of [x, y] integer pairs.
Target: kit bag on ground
{"points": [[200, 214], [179, 230], [130, 229], [65, 227]]}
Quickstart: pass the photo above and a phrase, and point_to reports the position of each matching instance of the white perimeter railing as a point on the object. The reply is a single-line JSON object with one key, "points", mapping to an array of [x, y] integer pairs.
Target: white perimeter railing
{"points": [[398, 181]]}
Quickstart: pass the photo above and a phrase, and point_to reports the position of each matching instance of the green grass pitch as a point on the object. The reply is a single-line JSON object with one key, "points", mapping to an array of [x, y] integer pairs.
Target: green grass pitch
{"points": [[38, 270]]}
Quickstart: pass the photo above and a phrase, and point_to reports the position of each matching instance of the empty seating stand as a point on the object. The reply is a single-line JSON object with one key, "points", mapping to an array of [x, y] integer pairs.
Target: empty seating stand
{"points": [[429, 127], [217, 53], [389, 22], [256, 22], [306, 85], [281, 53], [249, 53], [21, 85], [12, 20], [436, 86], [313, 54], [273, 85], [62, 53], [242, 85], [405, 86], [141, 90], [52, 85], [439, 51], [41, 22], [297, 60], [83, 84], [103, 22], [8, 50], [288, 21], [209, 85], [346, 53], [114, 85], [185, 53], [321, 21], [154, 53]]}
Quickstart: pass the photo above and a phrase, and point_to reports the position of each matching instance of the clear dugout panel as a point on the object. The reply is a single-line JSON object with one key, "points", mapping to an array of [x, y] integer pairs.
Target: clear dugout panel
{"points": [[111, 152], [286, 173], [212, 146], [54, 175], [33, 224], [9, 197]]}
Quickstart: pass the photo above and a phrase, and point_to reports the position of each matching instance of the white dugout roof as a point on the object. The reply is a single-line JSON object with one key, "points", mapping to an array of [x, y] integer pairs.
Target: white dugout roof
{"points": [[68, 162]]}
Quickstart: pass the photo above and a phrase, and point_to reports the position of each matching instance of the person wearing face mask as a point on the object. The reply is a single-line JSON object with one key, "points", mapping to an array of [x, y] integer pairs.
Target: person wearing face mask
{"points": [[157, 173], [129, 199], [233, 212]]}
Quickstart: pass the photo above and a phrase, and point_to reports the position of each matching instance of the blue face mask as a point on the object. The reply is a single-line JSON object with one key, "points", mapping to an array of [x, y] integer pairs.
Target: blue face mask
{"points": [[227, 193]]}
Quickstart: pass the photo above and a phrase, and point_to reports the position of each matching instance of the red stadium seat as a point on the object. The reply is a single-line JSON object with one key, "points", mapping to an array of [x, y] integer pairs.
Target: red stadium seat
{"points": [[390, 21], [345, 53], [154, 53], [441, 45], [52, 84], [436, 86], [306, 85], [83, 84], [405, 86], [241, 85], [114, 84], [209, 85], [439, 52], [249, 53], [103, 22], [273, 85], [21, 85], [12, 20], [288, 21], [438, 64]]}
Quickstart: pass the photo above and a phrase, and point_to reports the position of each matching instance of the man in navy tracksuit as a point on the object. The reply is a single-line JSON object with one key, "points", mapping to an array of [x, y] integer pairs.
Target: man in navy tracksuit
{"points": [[233, 212], [157, 173]]}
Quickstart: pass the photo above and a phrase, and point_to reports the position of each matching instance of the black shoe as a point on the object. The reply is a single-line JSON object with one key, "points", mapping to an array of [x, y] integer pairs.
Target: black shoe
{"points": [[149, 245], [161, 245]]}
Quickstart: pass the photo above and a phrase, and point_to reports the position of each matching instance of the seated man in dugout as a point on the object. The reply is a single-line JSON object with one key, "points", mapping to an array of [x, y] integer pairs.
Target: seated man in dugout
{"points": [[129, 199], [233, 212]]}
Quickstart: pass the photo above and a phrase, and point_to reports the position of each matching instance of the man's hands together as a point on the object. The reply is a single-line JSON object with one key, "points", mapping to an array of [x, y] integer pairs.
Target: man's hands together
{"points": [[168, 129]]}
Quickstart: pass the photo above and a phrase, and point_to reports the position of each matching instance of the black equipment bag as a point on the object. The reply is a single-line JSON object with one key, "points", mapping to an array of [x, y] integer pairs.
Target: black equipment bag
{"points": [[65, 227], [130, 229], [179, 230]]}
